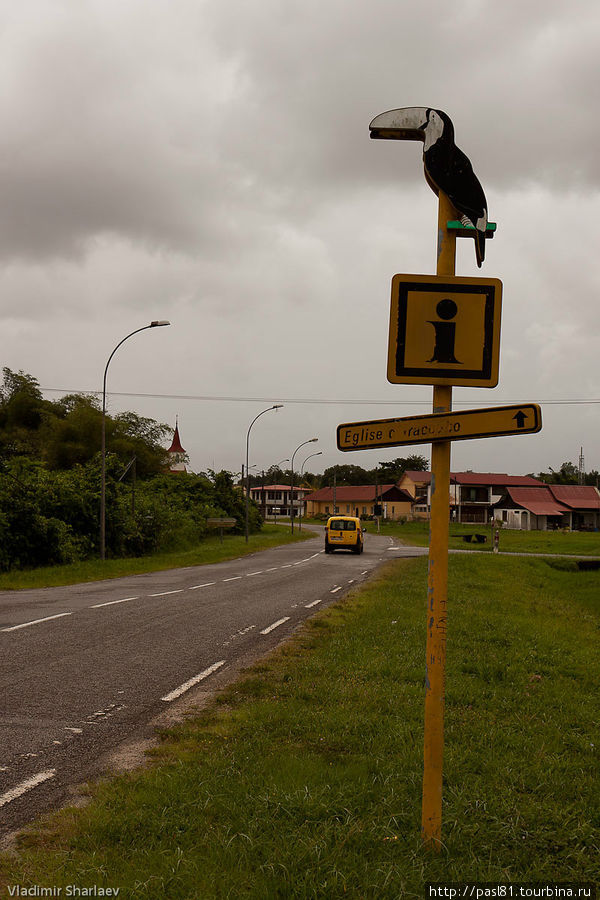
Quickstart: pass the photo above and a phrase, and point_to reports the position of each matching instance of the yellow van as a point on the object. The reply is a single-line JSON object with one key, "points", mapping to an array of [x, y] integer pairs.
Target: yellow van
{"points": [[345, 533]]}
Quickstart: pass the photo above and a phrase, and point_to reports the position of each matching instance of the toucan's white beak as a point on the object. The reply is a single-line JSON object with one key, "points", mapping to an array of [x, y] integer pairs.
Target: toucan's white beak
{"points": [[407, 124]]}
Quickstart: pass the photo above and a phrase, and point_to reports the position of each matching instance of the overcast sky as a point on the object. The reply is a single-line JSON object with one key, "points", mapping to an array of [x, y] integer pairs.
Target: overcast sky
{"points": [[210, 163]]}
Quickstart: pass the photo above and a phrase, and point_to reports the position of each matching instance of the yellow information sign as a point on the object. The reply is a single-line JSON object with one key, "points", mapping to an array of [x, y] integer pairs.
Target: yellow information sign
{"points": [[455, 426], [444, 330]]}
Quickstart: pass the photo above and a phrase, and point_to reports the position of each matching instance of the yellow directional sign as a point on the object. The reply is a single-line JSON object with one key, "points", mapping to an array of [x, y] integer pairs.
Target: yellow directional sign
{"points": [[444, 329], [455, 426]]}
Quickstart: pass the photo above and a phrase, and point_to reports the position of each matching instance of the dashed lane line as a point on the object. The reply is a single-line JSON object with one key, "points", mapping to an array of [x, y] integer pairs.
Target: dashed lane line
{"points": [[36, 621], [275, 625], [112, 602], [173, 695], [25, 786], [314, 603], [194, 587]]}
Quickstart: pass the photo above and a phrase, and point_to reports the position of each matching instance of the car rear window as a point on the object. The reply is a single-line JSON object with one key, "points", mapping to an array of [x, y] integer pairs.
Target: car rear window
{"points": [[342, 525]]}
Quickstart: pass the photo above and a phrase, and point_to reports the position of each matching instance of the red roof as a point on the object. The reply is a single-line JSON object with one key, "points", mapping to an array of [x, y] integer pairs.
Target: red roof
{"points": [[490, 479], [277, 487], [176, 445], [493, 479], [538, 501], [576, 496], [361, 492], [418, 476]]}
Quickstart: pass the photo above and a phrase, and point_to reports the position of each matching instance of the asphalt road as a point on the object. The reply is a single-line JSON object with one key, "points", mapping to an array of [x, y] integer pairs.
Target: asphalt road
{"points": [[86, 669]]}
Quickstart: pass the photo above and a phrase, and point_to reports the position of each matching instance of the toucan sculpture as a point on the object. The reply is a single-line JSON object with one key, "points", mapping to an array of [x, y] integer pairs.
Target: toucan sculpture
{"points": [[447, 168]]}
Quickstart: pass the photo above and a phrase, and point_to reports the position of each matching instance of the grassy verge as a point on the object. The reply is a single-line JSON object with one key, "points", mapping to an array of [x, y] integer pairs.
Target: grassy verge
{"points": [[211, 550], [573, 543], [305, 779]]}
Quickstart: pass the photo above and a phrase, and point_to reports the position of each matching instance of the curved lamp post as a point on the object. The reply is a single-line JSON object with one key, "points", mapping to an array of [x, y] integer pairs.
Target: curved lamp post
{"points": [[303, 444], [156, 324], [275, 406], [318, 453]]}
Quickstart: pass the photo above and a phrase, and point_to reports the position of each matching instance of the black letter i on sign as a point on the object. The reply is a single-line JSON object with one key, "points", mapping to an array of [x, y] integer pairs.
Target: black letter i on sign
{"points": [[445, 332]]}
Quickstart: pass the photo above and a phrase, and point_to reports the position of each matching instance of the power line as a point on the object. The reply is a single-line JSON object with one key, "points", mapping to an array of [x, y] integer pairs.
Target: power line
{"points": [[315, 400]]}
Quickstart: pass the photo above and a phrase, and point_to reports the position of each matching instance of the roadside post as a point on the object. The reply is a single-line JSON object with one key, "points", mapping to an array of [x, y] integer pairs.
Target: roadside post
{"points": [[444, 331], [221, 523]]}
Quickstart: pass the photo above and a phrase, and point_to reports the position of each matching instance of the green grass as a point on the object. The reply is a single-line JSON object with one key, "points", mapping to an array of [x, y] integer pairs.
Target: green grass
{"points": [[210, 550], [304, 780], [576, 543]]}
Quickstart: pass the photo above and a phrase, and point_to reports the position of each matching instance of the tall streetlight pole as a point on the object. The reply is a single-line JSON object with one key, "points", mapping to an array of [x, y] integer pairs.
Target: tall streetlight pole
{"points": [[319, 453], [275, 406], [303, 444], [156, 324]]}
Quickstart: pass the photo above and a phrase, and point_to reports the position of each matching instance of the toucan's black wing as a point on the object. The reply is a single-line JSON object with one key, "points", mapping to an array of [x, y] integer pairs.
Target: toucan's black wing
{"points": [[451, 170]]}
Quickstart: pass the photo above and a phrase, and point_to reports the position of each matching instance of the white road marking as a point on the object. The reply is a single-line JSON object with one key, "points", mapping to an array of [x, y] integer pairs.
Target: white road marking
{"points": [[235, 578], [37, 621], [314, 603], [25, 786], [166, 593], [275, 625], [193, 681], [112, 602], [335, 590], [250, 574], [287, 566], [351, 581], [207, 584], [272, 570], [365, 572]]}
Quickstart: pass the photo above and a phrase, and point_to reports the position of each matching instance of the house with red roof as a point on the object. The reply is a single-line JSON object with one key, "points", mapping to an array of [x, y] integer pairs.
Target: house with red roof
{"points": [[360, 500], [275, 499], [473, 495], [583, 502], [573, 506]]}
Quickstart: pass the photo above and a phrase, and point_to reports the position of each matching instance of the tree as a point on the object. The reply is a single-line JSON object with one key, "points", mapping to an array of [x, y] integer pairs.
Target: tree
{"points": [[22, 409], [347, 474], [394, 469], [567, 474]]}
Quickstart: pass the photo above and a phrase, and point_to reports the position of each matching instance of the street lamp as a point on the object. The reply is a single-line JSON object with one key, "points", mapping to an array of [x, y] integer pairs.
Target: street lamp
{"points": [[318, 453], [303, 444], [156, 324], [275, 406]]}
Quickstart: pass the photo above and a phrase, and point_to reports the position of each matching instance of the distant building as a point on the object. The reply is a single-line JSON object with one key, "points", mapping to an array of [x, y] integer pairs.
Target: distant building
{"points": [[572, 506], [176, 453], [473, 495], [274, 499], [360, 500]]}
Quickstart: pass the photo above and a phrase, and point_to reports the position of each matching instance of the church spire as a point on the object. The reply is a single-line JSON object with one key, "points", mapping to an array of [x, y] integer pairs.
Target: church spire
{"points": [[177, 455]]}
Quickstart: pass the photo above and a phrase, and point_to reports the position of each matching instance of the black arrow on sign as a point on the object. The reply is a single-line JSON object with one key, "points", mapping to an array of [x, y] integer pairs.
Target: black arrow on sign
{"points": [[520, 417]]}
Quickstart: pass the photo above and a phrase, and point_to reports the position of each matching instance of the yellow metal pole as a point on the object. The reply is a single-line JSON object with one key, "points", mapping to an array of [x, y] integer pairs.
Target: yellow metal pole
{"points": [[437, 587]]}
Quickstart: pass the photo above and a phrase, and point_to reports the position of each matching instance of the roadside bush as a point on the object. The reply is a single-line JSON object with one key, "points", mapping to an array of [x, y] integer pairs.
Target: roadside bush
{"points": [[50, 517]]}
